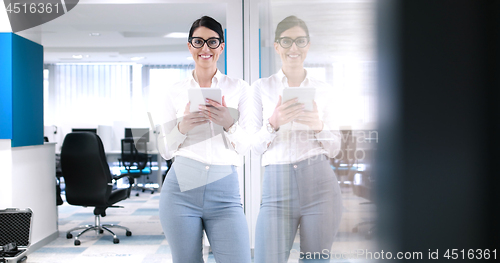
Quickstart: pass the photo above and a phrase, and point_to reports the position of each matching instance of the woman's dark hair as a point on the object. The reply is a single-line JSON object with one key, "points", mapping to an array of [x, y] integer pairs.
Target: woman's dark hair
{"points": [[209, 23], [287, 23]]}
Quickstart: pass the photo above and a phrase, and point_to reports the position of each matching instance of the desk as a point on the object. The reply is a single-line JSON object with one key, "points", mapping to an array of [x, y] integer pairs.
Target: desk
{"points": [[113, 156], [28, 180]]}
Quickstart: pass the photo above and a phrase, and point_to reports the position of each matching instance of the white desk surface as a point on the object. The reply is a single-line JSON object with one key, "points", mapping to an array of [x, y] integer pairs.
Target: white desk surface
{"points": [[119, 152]]}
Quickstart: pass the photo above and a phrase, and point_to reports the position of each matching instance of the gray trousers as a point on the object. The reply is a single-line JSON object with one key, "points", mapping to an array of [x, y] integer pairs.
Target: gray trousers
{"points": [[306, 194], [213, 204]]}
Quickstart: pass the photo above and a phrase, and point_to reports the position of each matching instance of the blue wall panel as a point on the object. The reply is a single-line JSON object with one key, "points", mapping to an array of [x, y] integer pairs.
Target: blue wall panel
{"points": [[27, 94], [21, 90], [6, 85]]}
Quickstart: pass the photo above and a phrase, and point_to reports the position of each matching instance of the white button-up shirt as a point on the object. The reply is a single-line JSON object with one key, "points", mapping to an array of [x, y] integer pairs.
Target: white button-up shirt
{"points": [[293, 142], [207, 143]]}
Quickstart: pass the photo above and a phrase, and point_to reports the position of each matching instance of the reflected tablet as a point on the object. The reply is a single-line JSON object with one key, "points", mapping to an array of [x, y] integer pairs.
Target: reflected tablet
{"points": [[198, 97], [305, 95]]}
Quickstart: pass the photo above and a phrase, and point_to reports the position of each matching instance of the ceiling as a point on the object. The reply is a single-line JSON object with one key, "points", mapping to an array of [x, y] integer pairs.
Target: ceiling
{"points": [[125, 31], [338, 28]]}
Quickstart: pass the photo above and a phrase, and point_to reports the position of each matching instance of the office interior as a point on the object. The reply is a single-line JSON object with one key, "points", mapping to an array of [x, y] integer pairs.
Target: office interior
{"points": [[104, 60]]}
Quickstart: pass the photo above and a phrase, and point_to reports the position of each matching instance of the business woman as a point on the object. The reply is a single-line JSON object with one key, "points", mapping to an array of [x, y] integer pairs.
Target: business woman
{"points": [[299, 188], [201, 191]]}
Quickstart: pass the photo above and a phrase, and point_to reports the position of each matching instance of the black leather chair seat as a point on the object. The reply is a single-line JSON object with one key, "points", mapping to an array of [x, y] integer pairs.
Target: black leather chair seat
{"points": [[118, 195]]}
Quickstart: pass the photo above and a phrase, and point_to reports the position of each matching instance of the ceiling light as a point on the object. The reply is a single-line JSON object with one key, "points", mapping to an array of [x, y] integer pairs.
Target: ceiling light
{"points": [[77, 56], [94, 34], [136, 58], [177, 35]]}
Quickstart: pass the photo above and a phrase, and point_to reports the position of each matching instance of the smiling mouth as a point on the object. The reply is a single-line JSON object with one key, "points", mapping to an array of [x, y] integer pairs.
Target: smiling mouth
{"points": [[293, 55], [205, 56]]}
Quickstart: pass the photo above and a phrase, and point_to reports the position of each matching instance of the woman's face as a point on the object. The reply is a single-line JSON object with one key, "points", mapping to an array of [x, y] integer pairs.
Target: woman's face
{"points": [[205, 56], [292, 56]]}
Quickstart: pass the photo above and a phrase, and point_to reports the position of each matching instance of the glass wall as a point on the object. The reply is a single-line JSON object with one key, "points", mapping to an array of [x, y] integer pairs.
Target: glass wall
{"points": [[342, 51], [341, 54]]}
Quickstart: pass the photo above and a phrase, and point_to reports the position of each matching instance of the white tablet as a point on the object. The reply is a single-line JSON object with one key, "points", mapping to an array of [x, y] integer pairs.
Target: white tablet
{"points": [[304, 95], [198, 97]]}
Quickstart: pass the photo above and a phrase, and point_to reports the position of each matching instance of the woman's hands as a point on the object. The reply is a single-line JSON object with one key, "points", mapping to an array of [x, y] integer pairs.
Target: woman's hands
{"points": [[217, 113], [285, 113], [291, 110], [311, 119], [191, 120]]}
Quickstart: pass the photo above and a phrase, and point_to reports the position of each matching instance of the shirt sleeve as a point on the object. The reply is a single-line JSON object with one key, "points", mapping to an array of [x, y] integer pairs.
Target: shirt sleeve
{"points": [[261, 138], [238, 141], [169, 137]]}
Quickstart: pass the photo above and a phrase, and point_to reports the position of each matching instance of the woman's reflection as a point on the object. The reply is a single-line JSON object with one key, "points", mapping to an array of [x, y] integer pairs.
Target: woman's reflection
{"points": [[299, 187]]}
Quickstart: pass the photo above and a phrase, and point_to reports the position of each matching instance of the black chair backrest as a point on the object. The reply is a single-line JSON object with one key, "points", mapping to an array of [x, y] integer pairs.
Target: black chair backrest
{"points": [[85, 170], [347, 147], [128, 152], [134, 153]]}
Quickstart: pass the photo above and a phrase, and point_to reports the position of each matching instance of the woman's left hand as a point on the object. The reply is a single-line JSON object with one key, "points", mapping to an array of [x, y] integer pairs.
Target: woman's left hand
{"points": [[311, 119], [217, 113]]}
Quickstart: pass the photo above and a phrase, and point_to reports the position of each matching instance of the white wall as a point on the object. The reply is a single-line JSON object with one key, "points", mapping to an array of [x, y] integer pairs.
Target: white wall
{"points": [[4, 20], [28, 181], [6, 174]]}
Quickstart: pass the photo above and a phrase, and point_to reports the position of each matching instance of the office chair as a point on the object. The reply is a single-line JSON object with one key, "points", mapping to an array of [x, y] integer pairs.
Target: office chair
{"points": [[88, 181], [169, 165], [134, 158], [345, 163], [59, 200], [362, 187]]}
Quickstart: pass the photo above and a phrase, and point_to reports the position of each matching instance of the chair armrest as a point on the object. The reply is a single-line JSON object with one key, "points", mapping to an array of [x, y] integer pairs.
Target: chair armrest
{"points": [[366, 178], [118, 177], [130, 181]]}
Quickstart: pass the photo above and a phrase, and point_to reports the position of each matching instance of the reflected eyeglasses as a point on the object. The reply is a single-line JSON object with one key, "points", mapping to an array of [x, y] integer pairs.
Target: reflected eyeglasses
{"points": [[286, 42], [198, 42]]}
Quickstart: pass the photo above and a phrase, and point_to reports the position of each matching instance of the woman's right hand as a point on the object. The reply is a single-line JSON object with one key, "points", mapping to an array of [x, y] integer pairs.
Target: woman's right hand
{"points": [[285, 113], [191, 120]]}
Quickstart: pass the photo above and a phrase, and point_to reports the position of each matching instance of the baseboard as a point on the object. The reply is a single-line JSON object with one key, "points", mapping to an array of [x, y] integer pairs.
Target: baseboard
{"points": [[43, 242]]}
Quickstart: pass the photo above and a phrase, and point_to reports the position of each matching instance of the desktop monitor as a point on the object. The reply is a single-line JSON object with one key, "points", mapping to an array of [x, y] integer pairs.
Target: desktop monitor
{"points": [[84, 130], [137, 133]]}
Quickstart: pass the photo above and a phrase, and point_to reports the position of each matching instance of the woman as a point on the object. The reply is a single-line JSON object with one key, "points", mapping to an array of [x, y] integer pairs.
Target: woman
{"points": [[201, 191], [299, 187]]}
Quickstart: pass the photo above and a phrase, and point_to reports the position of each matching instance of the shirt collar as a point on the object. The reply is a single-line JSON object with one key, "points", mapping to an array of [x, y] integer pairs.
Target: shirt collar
{"points": [[218, 75], [215, 79], [284, 80]]}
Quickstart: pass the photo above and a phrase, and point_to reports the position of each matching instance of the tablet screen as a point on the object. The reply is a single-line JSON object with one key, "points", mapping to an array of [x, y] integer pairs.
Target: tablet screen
{"points": [[304, 95], [198, 97]]}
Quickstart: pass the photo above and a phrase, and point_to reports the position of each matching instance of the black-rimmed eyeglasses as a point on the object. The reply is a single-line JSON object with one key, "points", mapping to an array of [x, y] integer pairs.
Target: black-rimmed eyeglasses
{"points": [[198, 42], [286, 42]]}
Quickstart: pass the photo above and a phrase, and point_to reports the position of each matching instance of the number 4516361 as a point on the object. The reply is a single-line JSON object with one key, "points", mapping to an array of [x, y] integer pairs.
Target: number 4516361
{"points": [[470, 254], [33, 8]]}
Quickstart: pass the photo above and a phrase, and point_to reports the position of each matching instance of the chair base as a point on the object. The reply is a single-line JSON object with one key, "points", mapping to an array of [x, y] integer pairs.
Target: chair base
{"points": [[371, 232], [137, 187], [98, 227]]}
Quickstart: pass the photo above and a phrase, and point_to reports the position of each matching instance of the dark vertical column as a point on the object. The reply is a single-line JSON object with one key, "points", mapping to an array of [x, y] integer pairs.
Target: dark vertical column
{"points": [[493, 40], [439, 94]]}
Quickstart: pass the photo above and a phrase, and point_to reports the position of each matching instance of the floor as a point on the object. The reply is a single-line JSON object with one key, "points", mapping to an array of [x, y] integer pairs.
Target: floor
{"points": [[148, 244]]}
